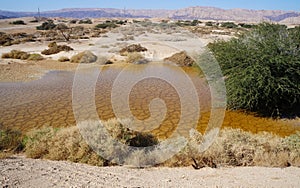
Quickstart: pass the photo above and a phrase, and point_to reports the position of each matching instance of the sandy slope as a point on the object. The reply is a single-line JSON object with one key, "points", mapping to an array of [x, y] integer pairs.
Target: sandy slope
{"points": [[23, 172]]}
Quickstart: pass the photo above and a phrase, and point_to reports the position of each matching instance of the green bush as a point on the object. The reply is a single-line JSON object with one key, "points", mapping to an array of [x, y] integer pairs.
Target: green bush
{"points": [[248, 26], [87, 21], [106, 25], [48, 25], [262, 69], [229, 25], [73, 21], [208, 24], [11, 140], [18, 22]]}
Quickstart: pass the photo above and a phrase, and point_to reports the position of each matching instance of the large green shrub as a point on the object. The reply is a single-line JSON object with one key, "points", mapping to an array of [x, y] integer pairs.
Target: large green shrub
{"points": [[262, 69]]}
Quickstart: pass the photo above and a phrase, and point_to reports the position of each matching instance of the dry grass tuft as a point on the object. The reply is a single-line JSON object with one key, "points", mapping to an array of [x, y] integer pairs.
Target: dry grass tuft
{"points": [[181, 59], [235, 147], [68, 144], [84, 57], [35, 57], [54, 49], [63, 59], [134, 57], [61, 144], [11, 141], [16, 54], [132, 48]]}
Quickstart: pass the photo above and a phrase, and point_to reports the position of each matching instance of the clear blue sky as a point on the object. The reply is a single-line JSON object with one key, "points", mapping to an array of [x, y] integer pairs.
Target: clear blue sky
{"points": [[32, 5]]}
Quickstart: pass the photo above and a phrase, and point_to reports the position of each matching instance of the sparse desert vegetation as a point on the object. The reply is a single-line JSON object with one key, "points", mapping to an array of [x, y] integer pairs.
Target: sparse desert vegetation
{"points": [[259, 62], [54, 49], [18, 22], [233, 147], [16, 54]]}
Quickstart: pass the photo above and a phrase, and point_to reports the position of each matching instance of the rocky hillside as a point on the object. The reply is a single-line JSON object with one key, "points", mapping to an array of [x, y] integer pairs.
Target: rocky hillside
{"points": [[204, 13]]}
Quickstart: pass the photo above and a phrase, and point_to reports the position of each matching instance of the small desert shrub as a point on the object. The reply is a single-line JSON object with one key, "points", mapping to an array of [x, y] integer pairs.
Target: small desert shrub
{"points": [[11, 140], [63, 59], [18, 22], [134, 57], [106, 25], [209, 24], [16, 54], [34, 21], [5, 39], [35, 57], [84, 57], [87, 21], [54, 49], [73, 21], [248, 26], [48, 25], [181, 59], [229, 25], [132, 48]]}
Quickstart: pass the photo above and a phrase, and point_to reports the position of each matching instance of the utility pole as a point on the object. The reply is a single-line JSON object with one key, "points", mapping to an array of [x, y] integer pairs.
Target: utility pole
{"points": [[39, 14], [124, 12]]}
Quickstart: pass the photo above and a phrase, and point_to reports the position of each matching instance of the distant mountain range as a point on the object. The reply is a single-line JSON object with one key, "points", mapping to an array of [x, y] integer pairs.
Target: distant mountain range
{"points": [[203, 13]]}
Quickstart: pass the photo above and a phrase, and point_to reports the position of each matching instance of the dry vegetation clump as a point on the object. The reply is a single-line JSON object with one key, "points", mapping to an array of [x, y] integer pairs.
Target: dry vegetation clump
{"points": [[5, 40], [18, 22], [126, 38], [35, 57], [68, 144], [181, 59], [132, 48], [16, 54], [54, 49], [11, 141], [84, 57], [235, 147], [134, 57], [60, 144], [63, 59], [15, 38]]}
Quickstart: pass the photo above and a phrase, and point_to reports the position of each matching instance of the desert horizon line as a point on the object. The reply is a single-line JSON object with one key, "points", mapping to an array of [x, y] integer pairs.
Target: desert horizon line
{"points": [[152, 9]]}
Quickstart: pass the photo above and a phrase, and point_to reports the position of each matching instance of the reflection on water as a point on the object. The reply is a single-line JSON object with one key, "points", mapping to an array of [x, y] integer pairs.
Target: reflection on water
{"points": [[48, 102]]}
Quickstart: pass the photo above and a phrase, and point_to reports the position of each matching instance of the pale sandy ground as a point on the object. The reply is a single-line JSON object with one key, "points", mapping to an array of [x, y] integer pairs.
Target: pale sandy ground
{"points": [[23, 172]]}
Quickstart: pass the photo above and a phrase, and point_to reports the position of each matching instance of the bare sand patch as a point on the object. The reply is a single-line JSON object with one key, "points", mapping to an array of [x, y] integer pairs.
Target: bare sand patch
{"points": [[23, 172]]}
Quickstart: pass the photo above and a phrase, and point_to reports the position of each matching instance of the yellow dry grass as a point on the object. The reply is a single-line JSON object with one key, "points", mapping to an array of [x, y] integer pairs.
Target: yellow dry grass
{"points": [[233, 147]]}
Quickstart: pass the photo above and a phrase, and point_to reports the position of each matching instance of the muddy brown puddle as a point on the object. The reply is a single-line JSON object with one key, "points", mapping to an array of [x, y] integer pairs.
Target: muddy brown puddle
{"points": [[48, 102]]}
